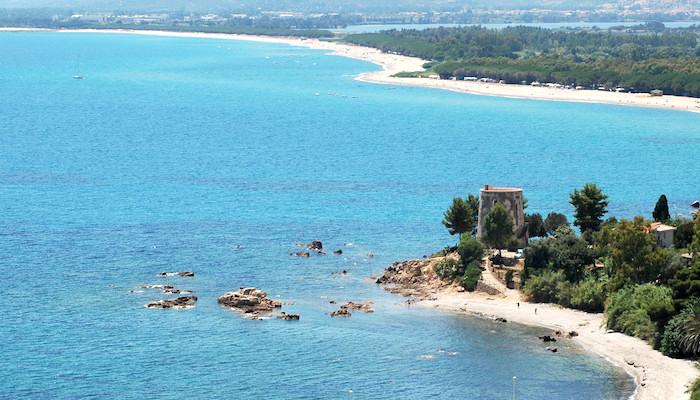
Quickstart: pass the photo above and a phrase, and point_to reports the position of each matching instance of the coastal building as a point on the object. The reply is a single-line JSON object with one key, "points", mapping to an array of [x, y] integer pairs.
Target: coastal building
{"points": [[511, 199], [664, 234]]}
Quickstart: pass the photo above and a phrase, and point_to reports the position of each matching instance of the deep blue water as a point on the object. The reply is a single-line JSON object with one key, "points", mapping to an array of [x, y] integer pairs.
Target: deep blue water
{"points": [[217, 157]]}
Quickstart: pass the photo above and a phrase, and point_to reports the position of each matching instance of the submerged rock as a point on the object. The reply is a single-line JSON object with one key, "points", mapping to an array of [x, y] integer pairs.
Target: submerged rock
{"points": [[301, 254], [249, 300], [547, 338], [341, 313], [339, 251], [358, 306], [178, 304], [184, 274]]}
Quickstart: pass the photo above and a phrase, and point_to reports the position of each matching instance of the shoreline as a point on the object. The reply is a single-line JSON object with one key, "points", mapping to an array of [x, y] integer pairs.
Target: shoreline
{"points": [[655, 375], [392, 64]]}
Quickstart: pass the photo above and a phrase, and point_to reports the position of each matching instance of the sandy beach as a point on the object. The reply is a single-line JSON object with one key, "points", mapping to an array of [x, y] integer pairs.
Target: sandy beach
{"points": [[657, 376], [392, 64]]}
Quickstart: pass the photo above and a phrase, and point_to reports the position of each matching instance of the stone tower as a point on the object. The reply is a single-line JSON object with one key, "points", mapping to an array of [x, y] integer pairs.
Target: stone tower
{"points": [[511, 199]]}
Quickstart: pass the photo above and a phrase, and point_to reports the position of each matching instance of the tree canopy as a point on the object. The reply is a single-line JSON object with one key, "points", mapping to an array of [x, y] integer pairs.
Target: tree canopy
{"points": [[498, 227], [461, 217], [589, 204], [661, 209]]}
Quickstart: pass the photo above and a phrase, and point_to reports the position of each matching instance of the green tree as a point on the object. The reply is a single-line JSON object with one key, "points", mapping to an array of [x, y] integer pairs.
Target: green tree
{"points": [[589, 204], [639, 311], [553, 221], [469, 249], [461, 217], [634, 255], [535, 225], [694, 247], [683, 235], [661, 209], [681, 327], [498, 227], [686, 285]]}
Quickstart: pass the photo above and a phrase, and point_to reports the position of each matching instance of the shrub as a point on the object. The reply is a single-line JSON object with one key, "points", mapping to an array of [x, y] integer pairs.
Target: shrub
{"points": [[670, 344], [512, 243], [544, 287], [469, 249], [589, 295], [471, 276], [509, 277], [448, 268], [637, 311]]}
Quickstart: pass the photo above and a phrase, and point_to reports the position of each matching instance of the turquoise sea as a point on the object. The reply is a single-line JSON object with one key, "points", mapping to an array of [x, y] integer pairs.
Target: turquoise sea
{"points": [[215, 156]]}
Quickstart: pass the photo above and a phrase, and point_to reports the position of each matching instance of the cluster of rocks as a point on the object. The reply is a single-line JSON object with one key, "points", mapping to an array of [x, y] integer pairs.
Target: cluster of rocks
{"points": [[413, 278], [557, 334], [345, 308], [253, 302], [316, 246], [178, 304], [187, 274]]}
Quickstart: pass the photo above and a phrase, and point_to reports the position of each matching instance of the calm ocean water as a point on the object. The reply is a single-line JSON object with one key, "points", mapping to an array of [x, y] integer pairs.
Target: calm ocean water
{"points": [[217, 156]]}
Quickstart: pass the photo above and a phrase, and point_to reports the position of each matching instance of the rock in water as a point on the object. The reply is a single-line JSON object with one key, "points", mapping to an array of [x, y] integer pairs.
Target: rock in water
{"points": [[249, 300], [315, 245], [366, 307], [341, 313], [178, 304], [186, 274], [301, 254], [339, 251], [288, 317]]}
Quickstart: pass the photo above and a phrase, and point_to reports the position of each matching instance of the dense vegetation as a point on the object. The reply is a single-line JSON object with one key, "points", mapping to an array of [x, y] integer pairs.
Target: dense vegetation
{"points": [[641, 58], [614, 267]]}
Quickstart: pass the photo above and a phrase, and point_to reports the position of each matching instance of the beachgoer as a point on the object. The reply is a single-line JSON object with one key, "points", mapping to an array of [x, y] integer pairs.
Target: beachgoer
{"points": [[518, 304], [535, 310]]}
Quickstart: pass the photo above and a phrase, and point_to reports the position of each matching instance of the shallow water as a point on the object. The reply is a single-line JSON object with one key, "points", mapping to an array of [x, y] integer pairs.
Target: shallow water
{"points": [[216, 157]]}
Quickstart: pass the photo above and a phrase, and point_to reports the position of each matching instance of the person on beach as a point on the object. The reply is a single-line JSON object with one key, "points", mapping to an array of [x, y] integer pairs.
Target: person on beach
{"points": [[518, 304], [535, 310]]}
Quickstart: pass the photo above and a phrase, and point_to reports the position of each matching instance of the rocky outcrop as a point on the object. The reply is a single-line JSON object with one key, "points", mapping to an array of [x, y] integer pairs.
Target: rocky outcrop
{"points": [[301, 254], [316, 245], [288, 317], [178, 304], [339, 251], [365, 307], [188, 274], [547, 338], [341, 313], [249, 300]]}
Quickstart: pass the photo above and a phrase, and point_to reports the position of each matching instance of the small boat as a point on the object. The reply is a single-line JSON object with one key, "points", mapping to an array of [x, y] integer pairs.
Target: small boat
{"points": [[79, 76], [696, 204]]}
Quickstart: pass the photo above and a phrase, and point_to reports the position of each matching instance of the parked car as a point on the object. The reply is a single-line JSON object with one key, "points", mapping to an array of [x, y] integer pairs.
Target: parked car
{"points": [[519, 253]]}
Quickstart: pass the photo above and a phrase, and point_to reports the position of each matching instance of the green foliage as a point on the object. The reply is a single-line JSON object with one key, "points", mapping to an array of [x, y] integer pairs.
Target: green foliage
{"points": [[538, 256], [545, 287], [589, 295], [509, 277], [634, 255], [469, 249], [448, 268], [660, 212], [553, 221], [685, 285], [638, 311], [513, 243], [676, 329], [567, 253], [695, 390], [462, 215], [683, 235], [589, 204], [535, 225], [471, 276], [694, 247], [498, 227]]}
